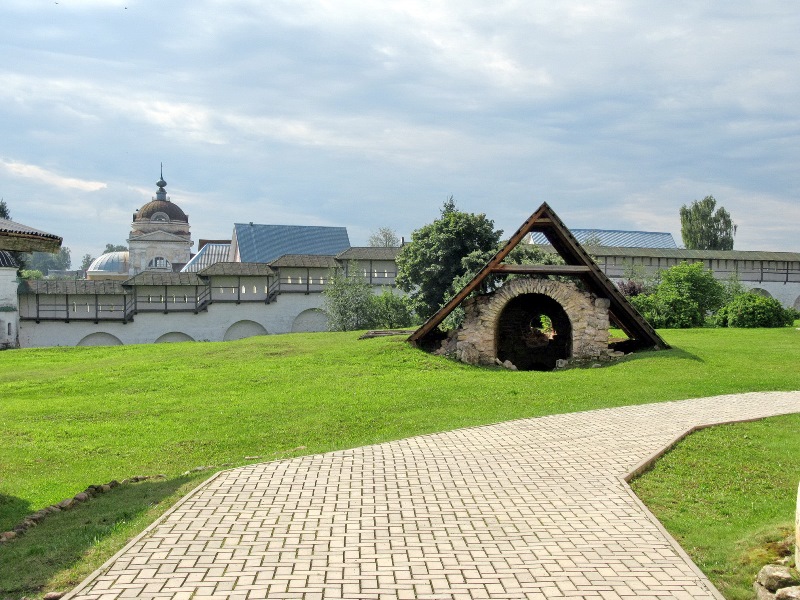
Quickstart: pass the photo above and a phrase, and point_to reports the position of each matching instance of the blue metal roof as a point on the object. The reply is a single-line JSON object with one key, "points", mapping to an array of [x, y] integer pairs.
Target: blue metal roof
{"points": [[208, 255], [265, 243], [616, 238]]}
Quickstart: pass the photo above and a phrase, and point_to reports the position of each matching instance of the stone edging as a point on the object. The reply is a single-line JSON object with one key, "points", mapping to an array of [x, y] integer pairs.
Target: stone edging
{"points": [[90, 492]]}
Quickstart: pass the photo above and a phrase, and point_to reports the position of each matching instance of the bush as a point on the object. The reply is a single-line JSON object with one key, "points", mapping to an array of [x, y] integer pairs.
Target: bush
{"points": [[685, 296], [695, 282], [668, 309], [754, 310], [348, 302], [390, 311], [631, 288]]}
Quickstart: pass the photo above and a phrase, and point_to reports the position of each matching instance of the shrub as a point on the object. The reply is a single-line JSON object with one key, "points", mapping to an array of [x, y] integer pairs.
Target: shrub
{"points": [[668, 309], [686, 294], [754, 310], [732, 288], [695, 282], [630, 288], [348, 302], [390, 311]]}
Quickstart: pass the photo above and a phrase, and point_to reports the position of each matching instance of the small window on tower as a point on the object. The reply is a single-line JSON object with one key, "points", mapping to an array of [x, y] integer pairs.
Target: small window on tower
{"points": [[159, 262]]}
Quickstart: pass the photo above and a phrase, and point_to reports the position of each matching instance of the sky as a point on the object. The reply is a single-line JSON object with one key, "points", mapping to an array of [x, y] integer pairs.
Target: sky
{"points": [[371, 114]]}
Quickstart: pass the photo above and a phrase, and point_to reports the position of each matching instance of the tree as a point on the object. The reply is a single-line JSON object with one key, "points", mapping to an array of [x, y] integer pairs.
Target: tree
{"points": [[428, 265], [4, 213], [704, 229], [115, 248], [86, 261], [46, 262], [384, 238], [348, 301]]}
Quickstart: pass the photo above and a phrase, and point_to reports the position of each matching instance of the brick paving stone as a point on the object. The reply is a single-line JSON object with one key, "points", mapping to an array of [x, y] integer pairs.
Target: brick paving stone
{"points": [[534, 508]]}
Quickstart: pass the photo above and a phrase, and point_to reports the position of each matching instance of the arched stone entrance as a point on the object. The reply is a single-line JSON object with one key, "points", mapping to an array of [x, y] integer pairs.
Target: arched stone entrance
{"points": [[507, 325], [533, 332]]}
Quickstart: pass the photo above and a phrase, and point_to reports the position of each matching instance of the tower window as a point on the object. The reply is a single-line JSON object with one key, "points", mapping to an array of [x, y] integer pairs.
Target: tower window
{"points": [[159, 262]]}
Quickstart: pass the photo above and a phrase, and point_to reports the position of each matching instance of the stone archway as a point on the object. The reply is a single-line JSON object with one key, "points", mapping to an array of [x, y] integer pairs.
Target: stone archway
{"points": [[534, 333], [507, 325]]}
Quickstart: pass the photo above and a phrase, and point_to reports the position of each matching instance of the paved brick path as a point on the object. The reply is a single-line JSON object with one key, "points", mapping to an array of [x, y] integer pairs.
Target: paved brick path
{"points": [[534, 508]]}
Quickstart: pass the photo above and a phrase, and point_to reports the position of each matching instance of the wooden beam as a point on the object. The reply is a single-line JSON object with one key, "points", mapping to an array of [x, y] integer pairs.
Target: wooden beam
{"points": [[442, 313], [542, 269]]}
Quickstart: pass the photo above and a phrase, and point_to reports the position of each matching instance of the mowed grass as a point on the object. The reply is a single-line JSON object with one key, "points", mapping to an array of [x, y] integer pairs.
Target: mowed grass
{"points": [[71, 417], [728, 495]]}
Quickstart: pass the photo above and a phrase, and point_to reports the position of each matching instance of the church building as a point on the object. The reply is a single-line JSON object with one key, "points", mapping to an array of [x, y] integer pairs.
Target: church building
{"points": [[160, 239]]}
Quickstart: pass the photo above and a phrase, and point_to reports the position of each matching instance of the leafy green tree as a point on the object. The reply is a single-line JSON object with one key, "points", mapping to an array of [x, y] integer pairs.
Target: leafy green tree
{"points": [[428, 265], [702, 228], [86, 261], [348, 300], [46, 262], [384, 238], [115, 248], [4, 212]]}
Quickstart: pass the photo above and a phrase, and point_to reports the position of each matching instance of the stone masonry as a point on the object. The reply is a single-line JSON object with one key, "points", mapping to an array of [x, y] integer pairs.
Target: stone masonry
{"points": [[475, 342]]}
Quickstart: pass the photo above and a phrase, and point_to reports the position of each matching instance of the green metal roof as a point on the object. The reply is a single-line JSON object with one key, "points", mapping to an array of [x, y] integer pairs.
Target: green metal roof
{"points": [[311, 261], [158, 278], [71, 286], [369, 253], [237, 269], [684, 254]]}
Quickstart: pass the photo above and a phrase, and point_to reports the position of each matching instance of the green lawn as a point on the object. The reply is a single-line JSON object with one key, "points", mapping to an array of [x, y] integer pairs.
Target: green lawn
{"points": [[79, 416], [728, 495]]}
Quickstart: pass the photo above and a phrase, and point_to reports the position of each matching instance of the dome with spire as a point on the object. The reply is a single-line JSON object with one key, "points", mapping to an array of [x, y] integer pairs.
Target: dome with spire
{"points": [[160, 208]]}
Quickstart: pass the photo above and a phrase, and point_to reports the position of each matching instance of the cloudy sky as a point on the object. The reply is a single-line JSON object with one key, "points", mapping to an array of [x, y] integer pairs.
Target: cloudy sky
{"points": [[370, 114]]}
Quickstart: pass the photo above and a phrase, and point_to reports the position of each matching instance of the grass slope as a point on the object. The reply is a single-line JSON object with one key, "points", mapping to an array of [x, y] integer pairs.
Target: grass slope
{"points": [[728, 494], [71, 417]]}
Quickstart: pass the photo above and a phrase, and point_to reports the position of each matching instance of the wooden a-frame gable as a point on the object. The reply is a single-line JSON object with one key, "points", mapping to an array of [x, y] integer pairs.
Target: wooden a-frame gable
{"points": [[578, 264]]}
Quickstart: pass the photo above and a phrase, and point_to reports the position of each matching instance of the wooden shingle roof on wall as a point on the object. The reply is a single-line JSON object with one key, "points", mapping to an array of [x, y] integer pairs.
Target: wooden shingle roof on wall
{"points": [[578, 263], [18, 237]]}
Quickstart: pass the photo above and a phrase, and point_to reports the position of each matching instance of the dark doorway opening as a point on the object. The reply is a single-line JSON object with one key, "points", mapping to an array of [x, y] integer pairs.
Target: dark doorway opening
{"points": [[533, 332]]}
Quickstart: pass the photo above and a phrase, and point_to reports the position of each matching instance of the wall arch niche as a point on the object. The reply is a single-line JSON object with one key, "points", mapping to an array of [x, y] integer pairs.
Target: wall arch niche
{"points": [[175, 336], [244, 329], [310, 320], [100, 338], [533, 332]]}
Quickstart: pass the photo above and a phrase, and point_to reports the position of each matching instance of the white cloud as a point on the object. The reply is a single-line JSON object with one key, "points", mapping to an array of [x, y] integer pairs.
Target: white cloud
{"points": [[364, 113], [49, 177]]}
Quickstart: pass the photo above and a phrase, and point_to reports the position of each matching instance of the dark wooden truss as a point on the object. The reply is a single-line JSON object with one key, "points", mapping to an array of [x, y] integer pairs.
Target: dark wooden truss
{"points": [[578, 264]]}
